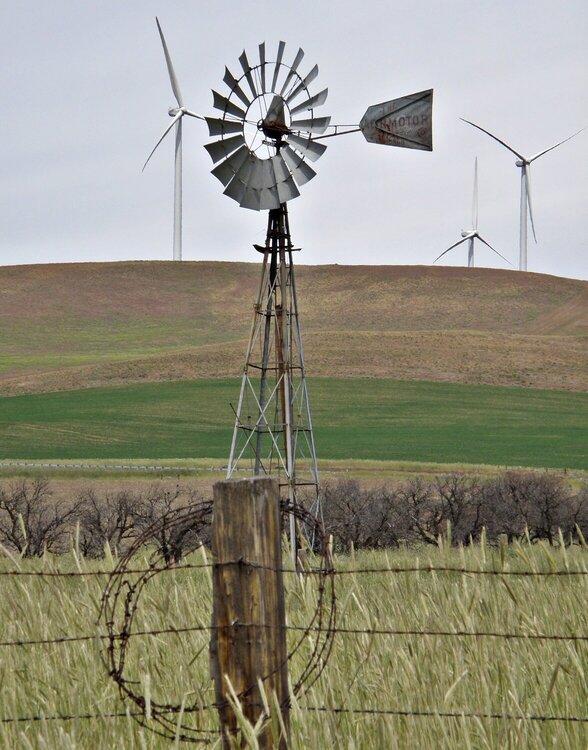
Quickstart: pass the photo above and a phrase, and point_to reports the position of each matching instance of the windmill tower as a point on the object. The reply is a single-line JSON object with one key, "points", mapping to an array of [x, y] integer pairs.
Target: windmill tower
{"points": [[266, 136]]}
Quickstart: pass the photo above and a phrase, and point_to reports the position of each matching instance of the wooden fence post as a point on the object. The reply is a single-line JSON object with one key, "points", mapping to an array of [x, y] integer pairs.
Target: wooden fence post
{"points": [[248, 638]]}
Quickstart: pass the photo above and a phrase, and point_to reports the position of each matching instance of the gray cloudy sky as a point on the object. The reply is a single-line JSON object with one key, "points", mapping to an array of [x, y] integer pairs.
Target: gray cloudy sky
{"points": [[85, 95]]}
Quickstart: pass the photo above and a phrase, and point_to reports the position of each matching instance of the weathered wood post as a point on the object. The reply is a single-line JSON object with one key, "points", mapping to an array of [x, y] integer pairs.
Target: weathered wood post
{"points": [[248, 640]]}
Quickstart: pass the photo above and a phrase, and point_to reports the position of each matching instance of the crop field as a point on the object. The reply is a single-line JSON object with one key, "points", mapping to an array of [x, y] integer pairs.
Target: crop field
{"points": [[420, 659], [354, 418]]}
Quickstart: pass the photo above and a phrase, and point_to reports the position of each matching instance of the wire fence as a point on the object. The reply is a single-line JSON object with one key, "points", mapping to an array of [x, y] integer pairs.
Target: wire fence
{"points": [[337, 631]]}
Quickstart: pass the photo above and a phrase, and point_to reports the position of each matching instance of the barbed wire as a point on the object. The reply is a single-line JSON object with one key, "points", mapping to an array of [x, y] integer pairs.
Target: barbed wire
{"points": [[316, 709], [120, 602], [304, 571], [299, 628], [445, 714]]}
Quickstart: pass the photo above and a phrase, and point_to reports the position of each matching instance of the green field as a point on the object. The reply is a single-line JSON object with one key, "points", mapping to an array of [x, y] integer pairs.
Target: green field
{"points": [[354, 418]]}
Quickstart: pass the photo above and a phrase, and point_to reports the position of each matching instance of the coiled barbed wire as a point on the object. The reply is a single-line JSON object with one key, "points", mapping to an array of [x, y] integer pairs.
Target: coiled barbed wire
{"points": [[120, 603]]}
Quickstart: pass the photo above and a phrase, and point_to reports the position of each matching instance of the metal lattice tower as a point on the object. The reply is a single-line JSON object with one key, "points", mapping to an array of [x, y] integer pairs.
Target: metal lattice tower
{"points": [[273, 426]]}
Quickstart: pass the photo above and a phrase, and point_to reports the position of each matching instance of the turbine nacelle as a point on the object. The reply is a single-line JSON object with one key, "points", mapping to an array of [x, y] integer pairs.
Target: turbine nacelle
{"points": [[521, 163]]}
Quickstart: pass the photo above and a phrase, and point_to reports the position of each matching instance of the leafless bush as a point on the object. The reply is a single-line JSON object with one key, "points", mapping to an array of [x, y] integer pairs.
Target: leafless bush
{"points": [[515, 504], [32, 521], [173, 540], [106, 521], [370, 518]]}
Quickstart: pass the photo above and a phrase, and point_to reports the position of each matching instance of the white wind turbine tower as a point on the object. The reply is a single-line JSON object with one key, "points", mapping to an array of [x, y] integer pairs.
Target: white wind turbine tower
{"points": [[177, 113], [524, 165], [471, 235]]}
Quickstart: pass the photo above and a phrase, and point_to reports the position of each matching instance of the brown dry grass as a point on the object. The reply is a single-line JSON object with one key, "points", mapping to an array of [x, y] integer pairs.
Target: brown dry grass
{"points": [[79, 325]]}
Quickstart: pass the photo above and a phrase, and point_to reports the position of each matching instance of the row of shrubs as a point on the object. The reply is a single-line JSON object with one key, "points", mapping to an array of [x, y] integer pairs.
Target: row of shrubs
{"points": [[514, 505], [536, 505]]}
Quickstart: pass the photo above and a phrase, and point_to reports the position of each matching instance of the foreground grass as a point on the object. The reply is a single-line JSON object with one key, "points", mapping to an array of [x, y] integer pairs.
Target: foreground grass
{"points": [[364, 419], [366, 672]]}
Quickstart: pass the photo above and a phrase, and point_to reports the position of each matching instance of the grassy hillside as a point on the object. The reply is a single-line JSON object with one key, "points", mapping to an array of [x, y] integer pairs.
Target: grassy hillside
{"points": [[354, 418], [79, 325]]}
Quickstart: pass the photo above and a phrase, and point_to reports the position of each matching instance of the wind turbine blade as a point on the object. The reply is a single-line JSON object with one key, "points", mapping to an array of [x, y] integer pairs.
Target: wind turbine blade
{"points": [[450, 248], [493, 249], [177, 118], [475, 197], [510, 148], [193, 114], [278, 63], [547, 150], [170, 68], [527, 169]]}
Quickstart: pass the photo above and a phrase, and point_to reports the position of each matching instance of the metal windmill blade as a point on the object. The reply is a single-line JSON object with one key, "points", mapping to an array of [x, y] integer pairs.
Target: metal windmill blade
{"points": [[261, 151], [475, 197]]}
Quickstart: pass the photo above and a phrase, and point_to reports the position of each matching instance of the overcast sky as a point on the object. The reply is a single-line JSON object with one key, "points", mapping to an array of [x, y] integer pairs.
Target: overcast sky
{"points": [[85, 94]]}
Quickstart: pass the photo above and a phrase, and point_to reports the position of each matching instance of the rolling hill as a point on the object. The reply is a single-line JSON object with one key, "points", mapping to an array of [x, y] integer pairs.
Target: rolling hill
{"points": [[69, 326]]}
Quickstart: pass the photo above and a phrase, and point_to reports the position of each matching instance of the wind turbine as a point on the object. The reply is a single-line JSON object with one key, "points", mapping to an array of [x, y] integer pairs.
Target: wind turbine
{"points": [[470, 235], [177, 113], [524, 165]]}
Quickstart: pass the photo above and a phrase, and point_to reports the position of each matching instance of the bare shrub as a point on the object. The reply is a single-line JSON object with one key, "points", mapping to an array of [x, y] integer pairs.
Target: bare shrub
{"points": [[106, 521], [369, 518], [32, 521], [173, 540]]}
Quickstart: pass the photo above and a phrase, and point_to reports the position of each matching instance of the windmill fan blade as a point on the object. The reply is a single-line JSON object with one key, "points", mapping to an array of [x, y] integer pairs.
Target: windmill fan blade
{"points": [[527, 169], [309, 148], [262, 64], [269, 198], [247, 70], [170, 68], [281, 171], [223, 127], [227, 169], [450, 248], [314, 101], [227, 107], [301, 171], [547, 150], [493, 249], [293, 69], [287, 190], [304, 84], [251, 199], [475, 197], [235, 189], [224, 147], [313, 125], [278, 63], [176, 119], [510, 148], [233, 84]]}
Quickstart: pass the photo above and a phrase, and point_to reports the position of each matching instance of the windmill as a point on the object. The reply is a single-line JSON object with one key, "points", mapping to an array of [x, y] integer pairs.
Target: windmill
{"points": [[524, 165], [177, 113], [471, 235], [266, 137]]}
